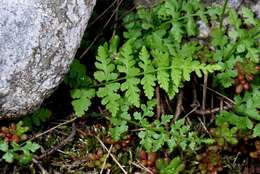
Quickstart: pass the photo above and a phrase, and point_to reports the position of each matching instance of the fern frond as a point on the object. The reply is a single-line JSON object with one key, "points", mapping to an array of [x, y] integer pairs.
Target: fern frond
{"points": [[148, 81], [81, 100], [104, 65], [162, 63], [176, 70], [176, 76], [189, 66], [119, 121], [155, 40], [106, 73], [183, 64], [109, 97], [128, 67], [177, 32], [210, 68]]}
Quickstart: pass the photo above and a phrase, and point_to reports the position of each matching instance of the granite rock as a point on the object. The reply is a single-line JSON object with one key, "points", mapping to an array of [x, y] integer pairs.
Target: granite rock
{"points": [[38, 40]]}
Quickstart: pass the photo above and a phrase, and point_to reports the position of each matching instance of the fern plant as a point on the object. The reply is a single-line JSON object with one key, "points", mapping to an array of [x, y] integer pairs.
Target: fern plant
{"points": [[154, 53], [156, 135], [159, 48], [169, 71], [239, 43], [12, 145], [175, 166], [246, 115]]}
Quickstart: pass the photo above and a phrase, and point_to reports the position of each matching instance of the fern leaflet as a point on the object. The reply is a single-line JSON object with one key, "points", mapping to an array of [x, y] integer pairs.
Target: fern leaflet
{"points": [[176, 74], [148, 81], [106, 74], [162, 63], [127, 66], [105, 65], [81, 100], [110, 97]]}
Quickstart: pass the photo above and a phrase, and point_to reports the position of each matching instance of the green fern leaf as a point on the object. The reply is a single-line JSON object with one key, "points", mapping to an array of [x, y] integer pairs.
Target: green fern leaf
{"points": [[177, 32], [106, 73], [256, 131], [214, 12], [132, 91], [234, 19], [119, 121], [181, 67], [176, 76], [127, 66], [109, 97], [82, 100], [248, 16], [171, 8], [114, 44], [148, 81], [162, 63], [219, 38], [77, 78], [155, 40], [119, 128], [188, 65], [190, 25], [206, 68], [186, 58], [104, 65]]}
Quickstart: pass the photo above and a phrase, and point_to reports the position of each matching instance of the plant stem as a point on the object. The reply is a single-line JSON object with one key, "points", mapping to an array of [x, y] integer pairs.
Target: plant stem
{"points": [[223, 13]]}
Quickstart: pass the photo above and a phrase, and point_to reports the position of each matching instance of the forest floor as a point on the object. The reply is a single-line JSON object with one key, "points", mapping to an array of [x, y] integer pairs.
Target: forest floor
{"points": [[67, 143]]}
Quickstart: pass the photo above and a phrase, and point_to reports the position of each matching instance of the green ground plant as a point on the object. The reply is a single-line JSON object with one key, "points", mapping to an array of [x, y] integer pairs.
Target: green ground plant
{"points": [[160, 48], [12, 145], [175, 166], [164, 49], [245, 115]]}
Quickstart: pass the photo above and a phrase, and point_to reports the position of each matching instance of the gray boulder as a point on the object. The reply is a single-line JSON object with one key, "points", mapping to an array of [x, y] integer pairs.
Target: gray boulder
{"points": [[38, 40]]}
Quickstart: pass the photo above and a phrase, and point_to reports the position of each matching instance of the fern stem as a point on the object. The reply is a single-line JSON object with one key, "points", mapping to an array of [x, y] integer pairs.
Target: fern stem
{"points": [[145, 127], [183, 17], [126, 77]]}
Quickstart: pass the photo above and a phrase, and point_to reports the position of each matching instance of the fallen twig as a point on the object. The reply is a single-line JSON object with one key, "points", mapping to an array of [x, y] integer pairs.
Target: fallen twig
{"points": [[140, 166], [179, 105], [102, 14], [51, 129], [96, 38], [104, 163], [158, 100], [204, 94], [225, 97], [112, 156], [38, 164], [212, 111]]}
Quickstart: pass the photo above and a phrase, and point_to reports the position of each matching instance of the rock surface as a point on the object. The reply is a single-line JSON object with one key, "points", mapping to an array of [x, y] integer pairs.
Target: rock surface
{"points": [[253, 4], [38, 40]]}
